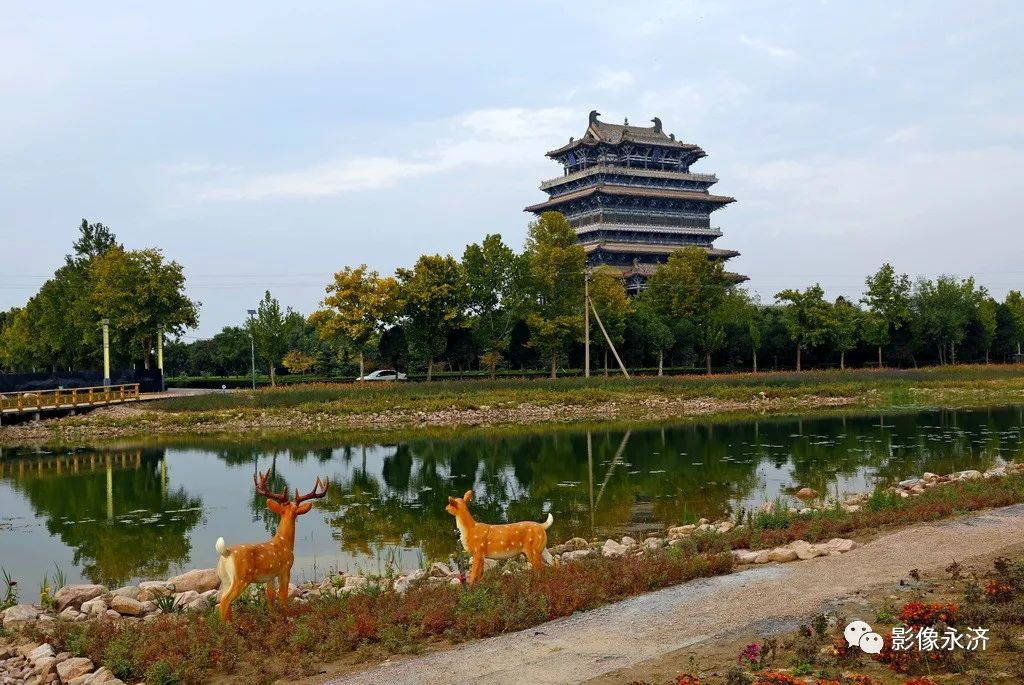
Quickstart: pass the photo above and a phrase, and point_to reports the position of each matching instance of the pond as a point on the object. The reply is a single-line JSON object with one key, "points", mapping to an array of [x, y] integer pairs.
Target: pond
{"points": [[116, 516]]}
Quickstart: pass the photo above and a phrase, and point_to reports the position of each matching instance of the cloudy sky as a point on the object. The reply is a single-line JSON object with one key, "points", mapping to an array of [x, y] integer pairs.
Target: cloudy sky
{"points": [[266, 145]]}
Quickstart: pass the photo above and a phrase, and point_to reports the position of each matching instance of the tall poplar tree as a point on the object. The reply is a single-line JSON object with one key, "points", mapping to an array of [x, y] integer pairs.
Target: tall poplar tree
{"points": [[555, 263]]}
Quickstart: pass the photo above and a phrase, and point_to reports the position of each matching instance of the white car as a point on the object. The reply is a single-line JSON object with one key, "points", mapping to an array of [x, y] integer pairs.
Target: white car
{"points": [[383, 375]]}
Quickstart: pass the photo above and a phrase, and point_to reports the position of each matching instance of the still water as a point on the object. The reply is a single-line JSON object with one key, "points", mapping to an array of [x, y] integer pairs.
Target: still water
{"points": [[121, 515]]}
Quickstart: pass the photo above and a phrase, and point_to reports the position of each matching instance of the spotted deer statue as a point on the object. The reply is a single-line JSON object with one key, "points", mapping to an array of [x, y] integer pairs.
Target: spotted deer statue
{"points": [[503, 541], [264, 562]]}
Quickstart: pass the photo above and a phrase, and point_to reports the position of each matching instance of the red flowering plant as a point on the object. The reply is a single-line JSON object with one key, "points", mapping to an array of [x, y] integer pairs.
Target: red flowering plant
{"points": [[777, 678], [687, 679], [996, 591], [919, 615], [751, 656]]}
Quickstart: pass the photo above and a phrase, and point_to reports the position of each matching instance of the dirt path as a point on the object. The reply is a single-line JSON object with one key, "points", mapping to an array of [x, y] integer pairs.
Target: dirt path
{"points": [[587, 645]]}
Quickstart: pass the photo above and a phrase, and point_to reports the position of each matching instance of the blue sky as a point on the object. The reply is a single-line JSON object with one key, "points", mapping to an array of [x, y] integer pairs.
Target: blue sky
{"points": [[267, 145]]}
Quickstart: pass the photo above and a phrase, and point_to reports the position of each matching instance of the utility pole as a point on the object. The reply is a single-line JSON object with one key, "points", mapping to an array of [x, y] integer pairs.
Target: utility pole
{"points": [[106, 352], [160, 355], [586, 324], [252, 346]]}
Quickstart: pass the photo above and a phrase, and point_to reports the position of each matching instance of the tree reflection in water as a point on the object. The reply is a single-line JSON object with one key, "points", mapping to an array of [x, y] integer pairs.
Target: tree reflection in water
{"points": [[391, 496], [102, 505]]}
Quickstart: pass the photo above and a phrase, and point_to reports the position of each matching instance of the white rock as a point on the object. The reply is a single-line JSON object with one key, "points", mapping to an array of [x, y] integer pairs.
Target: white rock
{"points": [[576, 554], [628, 541], [129, 591], [746, 556], [74, 667], [852, 508], [680, 531], [100, 676], [613, 549], [929, 476], [841, 545], [356, 582], [43, 650], [653, 543], [75, 595], [152, 589], [94, 607], [183, 599], [126, 606], [725, 526], [199, 579], [71, 614], [782, 555], [970, 474]]}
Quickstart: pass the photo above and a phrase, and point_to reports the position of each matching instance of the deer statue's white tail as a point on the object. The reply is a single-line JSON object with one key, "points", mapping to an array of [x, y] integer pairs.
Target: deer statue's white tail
{"points": [[547, 524], [221, 548]]}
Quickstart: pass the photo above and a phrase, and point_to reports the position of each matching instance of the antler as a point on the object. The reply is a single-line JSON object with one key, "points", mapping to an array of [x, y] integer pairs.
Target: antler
{"points": [[318, 491], [261, 489]]}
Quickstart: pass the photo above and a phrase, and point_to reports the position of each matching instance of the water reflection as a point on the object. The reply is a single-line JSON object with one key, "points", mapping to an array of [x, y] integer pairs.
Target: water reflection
{"points": [[97, 502], [121, 516]]}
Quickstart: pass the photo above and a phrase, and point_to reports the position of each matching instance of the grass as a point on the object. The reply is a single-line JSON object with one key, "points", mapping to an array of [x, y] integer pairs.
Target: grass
{"points": [[375, 411], [192, 647], [373, 397]]}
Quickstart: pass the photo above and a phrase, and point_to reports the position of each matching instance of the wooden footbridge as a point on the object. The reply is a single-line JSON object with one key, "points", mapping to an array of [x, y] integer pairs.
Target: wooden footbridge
{"points": [[35, 402]]}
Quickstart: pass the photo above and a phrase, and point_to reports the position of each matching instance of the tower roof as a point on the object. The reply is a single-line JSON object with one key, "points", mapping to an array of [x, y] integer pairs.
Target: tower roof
{"points": [[615, 134]]}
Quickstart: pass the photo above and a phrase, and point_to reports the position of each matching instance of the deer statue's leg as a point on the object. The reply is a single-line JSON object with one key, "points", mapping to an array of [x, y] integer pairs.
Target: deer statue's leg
{"points": [[270, 594], [282, 587], [476, 568], [229, 596], [534, 555]]}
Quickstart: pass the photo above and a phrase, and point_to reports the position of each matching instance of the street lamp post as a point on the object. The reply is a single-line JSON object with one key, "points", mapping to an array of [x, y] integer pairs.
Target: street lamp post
{"points": [[252, 346], [106, 352], [160, 355], [586, 324]]}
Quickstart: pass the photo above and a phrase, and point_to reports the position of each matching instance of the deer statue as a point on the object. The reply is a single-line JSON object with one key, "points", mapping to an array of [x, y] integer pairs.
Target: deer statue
{"points": [[483, 541], [263, 562]]}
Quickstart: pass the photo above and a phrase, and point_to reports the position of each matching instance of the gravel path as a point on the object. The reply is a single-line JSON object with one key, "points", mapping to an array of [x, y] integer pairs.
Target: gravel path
{"points": [[587, 645]]}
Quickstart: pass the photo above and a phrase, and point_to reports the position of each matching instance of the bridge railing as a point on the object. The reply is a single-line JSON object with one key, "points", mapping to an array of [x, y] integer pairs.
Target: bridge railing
{"points": [[68, 398]]}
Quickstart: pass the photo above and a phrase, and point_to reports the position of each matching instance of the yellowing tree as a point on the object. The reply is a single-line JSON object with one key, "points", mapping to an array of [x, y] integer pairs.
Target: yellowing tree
{"points": [[358, 305], [298, 362]]}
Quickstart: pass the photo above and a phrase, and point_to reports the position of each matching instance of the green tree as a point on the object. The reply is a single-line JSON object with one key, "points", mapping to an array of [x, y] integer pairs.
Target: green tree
{"points": [[846, 328], [887, 297], [358, 305], [1015, 304], [808, 318], [94, 240], [497, 296], [269, 331], [608, 294], [434, 295], [139, 292], [987, 312], [693, 287], [745, 310], [555, 263], [655, 325], [943, 310]]}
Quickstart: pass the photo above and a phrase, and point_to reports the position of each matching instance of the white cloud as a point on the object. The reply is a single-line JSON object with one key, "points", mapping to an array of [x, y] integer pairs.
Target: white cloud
{"points": [[775, 52], [479, 137], [614, 80], [908, 134]]}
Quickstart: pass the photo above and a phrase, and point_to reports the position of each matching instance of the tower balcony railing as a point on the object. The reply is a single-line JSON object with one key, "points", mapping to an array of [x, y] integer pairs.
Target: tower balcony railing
{"points": [[622, 169], [649, 218]]}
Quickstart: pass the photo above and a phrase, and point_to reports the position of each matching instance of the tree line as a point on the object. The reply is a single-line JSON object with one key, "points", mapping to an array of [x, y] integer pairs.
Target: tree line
{"points": [[137, 291], [496, 308]]}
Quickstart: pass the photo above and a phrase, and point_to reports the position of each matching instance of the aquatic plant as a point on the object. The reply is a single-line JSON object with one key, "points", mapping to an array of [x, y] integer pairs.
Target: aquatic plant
{"points": [[10, 590]]}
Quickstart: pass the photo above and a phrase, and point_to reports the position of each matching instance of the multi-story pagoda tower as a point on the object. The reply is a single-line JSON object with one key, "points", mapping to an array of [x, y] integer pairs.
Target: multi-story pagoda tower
{"points": [[630, 195]]}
